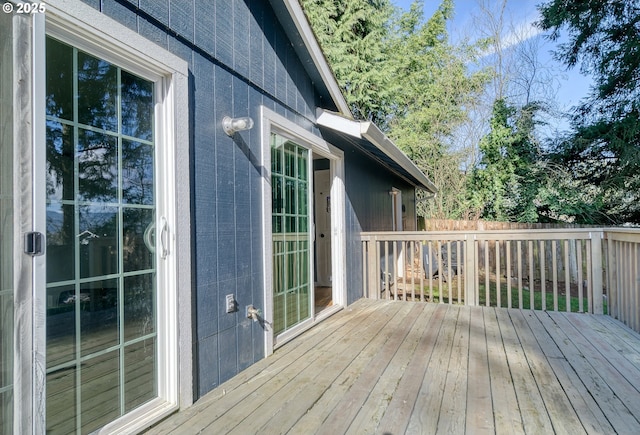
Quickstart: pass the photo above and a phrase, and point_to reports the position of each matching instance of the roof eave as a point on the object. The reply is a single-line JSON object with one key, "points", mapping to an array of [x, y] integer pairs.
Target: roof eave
{"points": [[369, 131]]}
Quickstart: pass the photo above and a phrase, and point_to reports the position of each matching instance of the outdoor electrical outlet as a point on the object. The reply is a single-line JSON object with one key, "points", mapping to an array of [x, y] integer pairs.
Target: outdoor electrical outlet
{"points": [[231, 303]]}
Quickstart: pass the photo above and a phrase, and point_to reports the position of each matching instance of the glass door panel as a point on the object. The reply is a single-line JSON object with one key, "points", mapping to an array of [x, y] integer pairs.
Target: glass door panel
{"points": [[291, 219], [6, 225], [101, 267]]}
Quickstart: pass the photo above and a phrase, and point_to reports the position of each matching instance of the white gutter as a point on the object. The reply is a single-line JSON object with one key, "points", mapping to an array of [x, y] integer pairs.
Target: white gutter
{"points": [[319, 60], [369, 131]]}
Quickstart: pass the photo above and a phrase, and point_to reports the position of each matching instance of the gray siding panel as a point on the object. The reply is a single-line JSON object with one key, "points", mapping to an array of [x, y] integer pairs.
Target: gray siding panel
{"points": [[151, 31], [241, 37], [206, 311], [207, 366], [228, 354], [158, 9], [205, 26], [181, 18], [121, 13], [281, 49], [269, 53], [256, 41], [224, 31]]}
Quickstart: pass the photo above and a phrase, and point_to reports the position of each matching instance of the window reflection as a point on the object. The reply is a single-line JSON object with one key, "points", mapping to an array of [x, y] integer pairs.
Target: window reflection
{"points": [[137, 172], [100, 391], [60, 161], [97, 166], [97, 92], [139, 316], [61, 325], [98, 315], [61, 402], [138, 234], [59, 84], [137, 107], [139, 372], [61, 239], [98, 239]]}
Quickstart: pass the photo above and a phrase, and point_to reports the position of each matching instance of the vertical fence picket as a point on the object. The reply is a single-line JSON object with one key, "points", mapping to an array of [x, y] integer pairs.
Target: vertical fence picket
{"points": [[440, 271], [487, 286], [543, 274], [508, 270], [386, 271], [596, 253], [421, 268], [567, 277], [532, 288], [498, 276], [589, 274], [580, 276], [520, 295], [413, 271], [554, 268], [449, 283], [459, 270]]}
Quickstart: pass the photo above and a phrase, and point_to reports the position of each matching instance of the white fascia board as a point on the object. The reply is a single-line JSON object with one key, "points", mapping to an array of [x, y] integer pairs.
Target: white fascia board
{"points": [[373, 134], [369, 131], [339, 123], [316, 53]]}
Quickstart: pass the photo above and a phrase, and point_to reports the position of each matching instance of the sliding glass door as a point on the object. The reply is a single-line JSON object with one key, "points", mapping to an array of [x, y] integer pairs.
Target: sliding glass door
{"points": [[101, 262]]}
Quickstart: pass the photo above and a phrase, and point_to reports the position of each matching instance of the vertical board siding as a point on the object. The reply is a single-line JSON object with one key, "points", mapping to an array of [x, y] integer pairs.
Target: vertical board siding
{"points": [[181, 18]]}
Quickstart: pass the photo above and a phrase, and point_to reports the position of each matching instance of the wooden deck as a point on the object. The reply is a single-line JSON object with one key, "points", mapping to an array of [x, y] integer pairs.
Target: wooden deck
{"points": [[418, 368]]}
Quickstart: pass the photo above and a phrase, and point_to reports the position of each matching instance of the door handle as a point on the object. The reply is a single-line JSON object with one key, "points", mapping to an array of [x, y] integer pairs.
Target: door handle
{"points": [[148, 237], [164, 237]]}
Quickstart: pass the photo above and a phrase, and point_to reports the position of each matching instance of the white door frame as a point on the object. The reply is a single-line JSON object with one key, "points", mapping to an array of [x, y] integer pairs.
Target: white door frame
{"points": [[271, 122], [323, 276]]}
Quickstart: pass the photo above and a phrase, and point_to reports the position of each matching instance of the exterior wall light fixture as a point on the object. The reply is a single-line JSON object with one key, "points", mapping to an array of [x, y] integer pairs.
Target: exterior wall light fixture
{"points": [[233, 125]]}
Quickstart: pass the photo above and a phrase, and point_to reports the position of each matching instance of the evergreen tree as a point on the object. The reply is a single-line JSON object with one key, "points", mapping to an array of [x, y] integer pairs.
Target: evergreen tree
{"points": [[401, 72], [507, 183], [603, 152], [352, 35]]}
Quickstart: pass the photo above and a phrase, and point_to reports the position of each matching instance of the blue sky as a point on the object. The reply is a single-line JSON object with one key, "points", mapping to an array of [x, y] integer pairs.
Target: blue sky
{"points": [[522, 13]]}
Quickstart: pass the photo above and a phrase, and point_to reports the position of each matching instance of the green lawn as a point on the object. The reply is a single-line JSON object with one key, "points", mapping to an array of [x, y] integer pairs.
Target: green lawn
{"points": [[526, 297]]}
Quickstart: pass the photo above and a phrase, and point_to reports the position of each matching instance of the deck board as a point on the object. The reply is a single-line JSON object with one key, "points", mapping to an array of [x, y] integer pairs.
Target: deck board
{"points": [[393, 367]]}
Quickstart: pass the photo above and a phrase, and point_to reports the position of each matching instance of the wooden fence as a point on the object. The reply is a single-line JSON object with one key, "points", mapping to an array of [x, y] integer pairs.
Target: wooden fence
{"points": [[591, 270]]}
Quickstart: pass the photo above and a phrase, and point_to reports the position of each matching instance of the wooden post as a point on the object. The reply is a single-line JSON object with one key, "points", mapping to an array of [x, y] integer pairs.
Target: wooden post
{"points": [[612, 279], [470, 264], [596, 268], [374, 269]]}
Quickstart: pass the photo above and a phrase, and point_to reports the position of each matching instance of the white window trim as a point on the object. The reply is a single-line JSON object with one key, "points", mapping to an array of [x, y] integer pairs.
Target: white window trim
{"points": [[84, 27], [271, 122]]}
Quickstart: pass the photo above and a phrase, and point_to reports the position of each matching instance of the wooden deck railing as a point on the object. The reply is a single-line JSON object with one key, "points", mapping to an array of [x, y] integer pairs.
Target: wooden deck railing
{"points": [[580, 270], [623, 260]]}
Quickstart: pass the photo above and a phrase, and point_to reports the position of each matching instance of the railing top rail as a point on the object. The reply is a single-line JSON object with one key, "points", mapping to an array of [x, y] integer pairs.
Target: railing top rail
{"points": [[518, 234], [623, 234]]}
